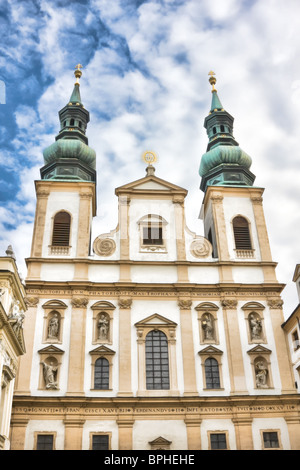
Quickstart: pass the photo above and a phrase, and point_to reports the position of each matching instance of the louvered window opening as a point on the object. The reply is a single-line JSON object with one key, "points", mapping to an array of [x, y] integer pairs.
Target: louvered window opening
{"points": [[61, 229], [212, 373], [101, 374], [157, 361], [241, 234]]}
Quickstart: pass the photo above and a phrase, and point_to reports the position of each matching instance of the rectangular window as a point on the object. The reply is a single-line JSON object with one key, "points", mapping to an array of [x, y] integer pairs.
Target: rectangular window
{"points": [[100, 442], [218, 441], [44, 442], [152, 235], [270, 440]]}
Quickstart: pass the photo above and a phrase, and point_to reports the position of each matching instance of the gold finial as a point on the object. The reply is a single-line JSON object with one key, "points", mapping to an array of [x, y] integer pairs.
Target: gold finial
{"points": [[212, 80], [78, 73], [149, 157]]}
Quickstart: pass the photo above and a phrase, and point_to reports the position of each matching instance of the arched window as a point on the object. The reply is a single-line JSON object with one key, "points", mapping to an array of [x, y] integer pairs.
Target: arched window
{"points": [[241, 233], [79, 124], [101, 377], [61, 229], [72, 122], [157, 361], [212, 375]]}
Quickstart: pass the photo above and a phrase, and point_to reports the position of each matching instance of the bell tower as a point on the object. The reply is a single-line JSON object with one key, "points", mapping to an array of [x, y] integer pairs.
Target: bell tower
{"points": [[66, 192], [232, 208]]}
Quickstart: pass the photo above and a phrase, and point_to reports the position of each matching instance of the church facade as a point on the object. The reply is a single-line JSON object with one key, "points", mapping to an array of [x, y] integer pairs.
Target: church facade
{"points": [[151, 336]]}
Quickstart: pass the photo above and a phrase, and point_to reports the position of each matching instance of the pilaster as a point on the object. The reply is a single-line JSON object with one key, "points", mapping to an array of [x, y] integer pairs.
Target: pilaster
{"points": [[188, 355], [125, 387], [77, 347], [234, 348]]}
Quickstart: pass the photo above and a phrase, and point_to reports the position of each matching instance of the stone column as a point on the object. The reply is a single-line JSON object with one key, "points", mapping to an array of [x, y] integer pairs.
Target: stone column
{"points": [[84, 223], [225, 272], [193, 432], [73, 433], [283, 359], [234, 348], [22, 384], [187, 343], [125, 433], [18, 433], [125, 388], [77, 347], [293, 424], [243, 433], [42, 193]]}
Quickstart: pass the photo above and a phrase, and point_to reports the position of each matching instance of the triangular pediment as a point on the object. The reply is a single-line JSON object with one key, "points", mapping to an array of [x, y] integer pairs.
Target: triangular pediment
{"points": [[156, 320], [150, 184], [259, 349], [211, 350], [102, 350], [51, 349], [160, 441]]}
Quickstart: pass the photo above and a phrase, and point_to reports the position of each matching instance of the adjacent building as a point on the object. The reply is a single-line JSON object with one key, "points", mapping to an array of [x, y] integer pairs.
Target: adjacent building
{"points": [[151, 336], [12, 308]]}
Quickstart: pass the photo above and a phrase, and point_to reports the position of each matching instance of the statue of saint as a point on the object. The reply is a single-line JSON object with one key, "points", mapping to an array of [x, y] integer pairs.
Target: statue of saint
{"points": [[261, 373], [208, 327], [53, 326], [50, 372], [255, 327], [103, 326]]}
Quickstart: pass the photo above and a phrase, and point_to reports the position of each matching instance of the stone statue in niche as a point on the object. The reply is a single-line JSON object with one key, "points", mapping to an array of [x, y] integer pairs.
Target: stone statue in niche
{"points": [[16, 316], [50, 374], [53, 327], [261, 374], [208, 327], [255, 326], [103, 327]]}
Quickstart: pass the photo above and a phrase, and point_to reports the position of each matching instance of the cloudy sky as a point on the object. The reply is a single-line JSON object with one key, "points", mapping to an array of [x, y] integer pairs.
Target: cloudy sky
{"points": [[145, 83]]}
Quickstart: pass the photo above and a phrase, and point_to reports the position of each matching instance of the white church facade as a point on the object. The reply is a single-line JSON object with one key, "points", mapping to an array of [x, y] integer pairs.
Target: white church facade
{"points": [[151, 336]]}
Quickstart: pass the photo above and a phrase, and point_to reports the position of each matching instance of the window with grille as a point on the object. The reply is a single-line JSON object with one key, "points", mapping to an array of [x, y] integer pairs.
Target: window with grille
{"points": [[100, 442], [61, 229], [157, 361], [44, 442], [212, 376], [241, 233], [270, 440], [218, 441], [101, 379], [152, 235]]}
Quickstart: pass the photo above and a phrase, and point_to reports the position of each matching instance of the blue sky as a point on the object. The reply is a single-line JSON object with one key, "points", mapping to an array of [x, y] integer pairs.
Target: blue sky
{"points": [[145, 84]]}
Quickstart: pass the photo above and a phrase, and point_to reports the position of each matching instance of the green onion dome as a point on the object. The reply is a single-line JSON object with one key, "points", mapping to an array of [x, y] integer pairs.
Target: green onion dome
{"points": [[70, 148], [224, 154]]}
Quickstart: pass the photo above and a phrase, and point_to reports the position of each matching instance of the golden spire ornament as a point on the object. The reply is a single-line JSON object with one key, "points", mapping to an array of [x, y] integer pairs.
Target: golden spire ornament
{"points": [[78, 73], [212, 80]]}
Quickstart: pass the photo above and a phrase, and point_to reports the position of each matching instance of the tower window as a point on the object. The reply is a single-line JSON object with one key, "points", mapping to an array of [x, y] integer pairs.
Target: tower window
{"points": [[79, 124], [157, 361], [222, 128], [214, 130], [72, 122], [101, 374], [61, 229], [241, 233], [65, 122]]}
